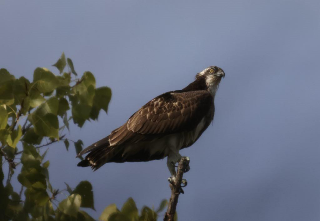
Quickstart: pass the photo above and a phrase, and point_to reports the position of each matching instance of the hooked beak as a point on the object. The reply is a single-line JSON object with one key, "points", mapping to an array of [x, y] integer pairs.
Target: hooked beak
{"points": [[221, 74]]}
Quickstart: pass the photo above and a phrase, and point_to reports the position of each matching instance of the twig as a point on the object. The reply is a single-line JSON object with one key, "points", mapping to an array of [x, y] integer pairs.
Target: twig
{"points": [[51, 142], [10, 161], [47, 144], [18, 115], [176, 189], [25, 127], [21, 190], [71, 140]]}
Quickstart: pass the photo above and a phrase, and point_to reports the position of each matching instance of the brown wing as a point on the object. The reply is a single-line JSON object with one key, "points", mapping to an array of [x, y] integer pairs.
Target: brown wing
{"points": [[172, 112]]}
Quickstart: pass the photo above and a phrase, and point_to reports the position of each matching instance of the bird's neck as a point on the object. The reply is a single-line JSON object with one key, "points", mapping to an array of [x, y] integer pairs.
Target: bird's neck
{"points": [[198, 84], [202, 84]]}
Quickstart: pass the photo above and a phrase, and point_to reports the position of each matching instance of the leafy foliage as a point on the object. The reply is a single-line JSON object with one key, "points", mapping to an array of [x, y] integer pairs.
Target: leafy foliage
{"points": [[42, 107], [130, 212]]}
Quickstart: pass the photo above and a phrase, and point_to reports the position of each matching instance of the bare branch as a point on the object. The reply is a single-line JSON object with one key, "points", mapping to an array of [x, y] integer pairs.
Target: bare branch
{"points": [[47, 144], [176, 188], [51, 142]]}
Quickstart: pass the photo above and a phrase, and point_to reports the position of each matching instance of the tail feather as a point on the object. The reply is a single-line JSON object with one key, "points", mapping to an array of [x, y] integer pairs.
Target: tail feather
{"points": [[99, 154], [101, 143], [83, 163]]}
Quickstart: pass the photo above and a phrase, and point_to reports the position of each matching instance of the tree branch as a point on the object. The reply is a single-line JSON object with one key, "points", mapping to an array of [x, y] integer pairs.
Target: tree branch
{"points": [[47, 144], [10, 161], [176, 188], [18, 115]]}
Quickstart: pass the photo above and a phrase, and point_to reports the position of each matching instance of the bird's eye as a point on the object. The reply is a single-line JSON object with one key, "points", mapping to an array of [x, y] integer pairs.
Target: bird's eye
{"points": [[211, 71]]}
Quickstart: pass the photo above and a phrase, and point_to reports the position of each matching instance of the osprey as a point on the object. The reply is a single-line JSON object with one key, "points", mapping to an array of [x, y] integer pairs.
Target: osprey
{"points": [[166, 124]]}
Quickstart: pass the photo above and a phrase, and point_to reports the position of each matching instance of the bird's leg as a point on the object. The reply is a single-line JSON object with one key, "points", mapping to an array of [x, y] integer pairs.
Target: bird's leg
{"points": [[176, 180], [172, 159]]}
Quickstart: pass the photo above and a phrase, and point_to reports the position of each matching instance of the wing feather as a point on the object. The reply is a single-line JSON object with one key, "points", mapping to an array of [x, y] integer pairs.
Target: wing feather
{"points": [[171, 113]]}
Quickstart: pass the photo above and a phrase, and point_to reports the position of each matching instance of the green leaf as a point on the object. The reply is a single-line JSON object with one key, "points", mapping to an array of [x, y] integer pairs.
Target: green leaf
{"points": [[25, 105], [63, 91], [5, 76], [10, 151], [148, 214], [84, 90], [3, 117], [31, 137], [44, 154], [129, 209], [119, 217], [68, 188], [39, 185], [80, 113], [15, 137], [6, 87], [101, 100], [85, 94], [162, 205], [61, 63], [71, 205], [109, 210], [38, 195], [21, 89], [83, 216], [66, 121], [44, 118], [50, 106], [36, 98], [84, 189], [70, 63], [44, 80], [46, 164], [64, 85], [64, 80], [30, 155], [4, 134], [66, 143], [78, 145], [88, 79], [43, 212], [30, 174], [47, 125], [63, 106]]}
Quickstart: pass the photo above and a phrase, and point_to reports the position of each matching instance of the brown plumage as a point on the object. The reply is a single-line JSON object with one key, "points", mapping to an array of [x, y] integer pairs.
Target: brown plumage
{"points": [[167, 123]]}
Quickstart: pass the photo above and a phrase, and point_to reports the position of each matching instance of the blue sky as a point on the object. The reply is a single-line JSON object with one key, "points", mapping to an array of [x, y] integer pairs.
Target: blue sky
{"points": [[258, 161]]}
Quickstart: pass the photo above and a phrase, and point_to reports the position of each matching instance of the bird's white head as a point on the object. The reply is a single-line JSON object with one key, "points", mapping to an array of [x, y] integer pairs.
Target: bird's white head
{"points": [[213, 76]]}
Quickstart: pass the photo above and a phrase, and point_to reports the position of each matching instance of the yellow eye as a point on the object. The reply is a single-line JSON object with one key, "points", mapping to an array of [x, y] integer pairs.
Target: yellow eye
{"points": [[211, 71]]}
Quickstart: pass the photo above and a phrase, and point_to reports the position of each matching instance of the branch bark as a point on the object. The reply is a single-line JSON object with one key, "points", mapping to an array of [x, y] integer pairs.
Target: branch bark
{"points": [[176, 188]]}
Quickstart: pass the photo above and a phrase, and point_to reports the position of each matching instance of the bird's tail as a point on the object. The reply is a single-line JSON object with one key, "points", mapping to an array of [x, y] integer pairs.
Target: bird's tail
{"points": [[99, 154]]}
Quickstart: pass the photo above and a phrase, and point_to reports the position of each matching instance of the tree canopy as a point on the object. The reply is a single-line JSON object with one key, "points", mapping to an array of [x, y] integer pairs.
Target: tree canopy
{"points": [[35, 114]]}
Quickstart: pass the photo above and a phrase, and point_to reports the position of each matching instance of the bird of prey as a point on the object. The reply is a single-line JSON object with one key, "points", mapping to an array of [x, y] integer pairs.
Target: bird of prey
{"points": [[166, 124]]}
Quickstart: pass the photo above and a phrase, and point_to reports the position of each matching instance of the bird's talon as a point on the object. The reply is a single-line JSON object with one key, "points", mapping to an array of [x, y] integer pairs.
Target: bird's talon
{"points": [[181, 190], [186, 169], [184, 183], [172, 180]]}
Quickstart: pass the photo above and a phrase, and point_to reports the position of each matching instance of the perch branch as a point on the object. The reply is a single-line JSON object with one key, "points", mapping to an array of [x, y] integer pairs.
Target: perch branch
{"points": [[176, 189]]}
